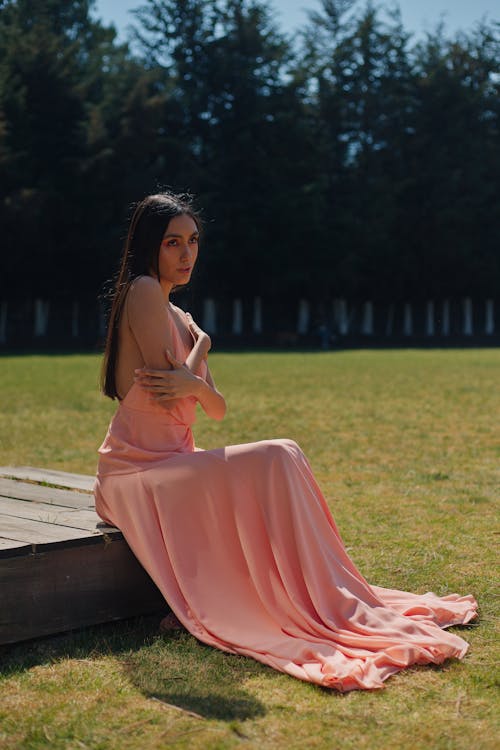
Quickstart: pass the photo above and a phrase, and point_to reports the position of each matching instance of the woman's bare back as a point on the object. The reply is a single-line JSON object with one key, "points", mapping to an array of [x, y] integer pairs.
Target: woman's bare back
{"points": [[129, 357]]}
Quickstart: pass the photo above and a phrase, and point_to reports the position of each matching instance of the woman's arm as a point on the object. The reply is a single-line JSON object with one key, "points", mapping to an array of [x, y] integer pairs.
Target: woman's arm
{"points": [[164, 377], [166, 386], [199, 352], [178, 386], [212, 401], [148, 319]]}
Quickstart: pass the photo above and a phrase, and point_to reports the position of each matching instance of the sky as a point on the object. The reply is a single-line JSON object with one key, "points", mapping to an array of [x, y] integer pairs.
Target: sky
{"points": [[418, 15]]}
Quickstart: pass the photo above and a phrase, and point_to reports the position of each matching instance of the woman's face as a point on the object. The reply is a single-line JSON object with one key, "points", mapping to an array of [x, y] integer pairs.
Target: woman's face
{"points": [[178, 251]]}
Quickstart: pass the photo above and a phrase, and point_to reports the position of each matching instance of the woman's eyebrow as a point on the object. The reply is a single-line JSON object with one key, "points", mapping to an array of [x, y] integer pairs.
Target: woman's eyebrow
{"points": [[170, 234]]}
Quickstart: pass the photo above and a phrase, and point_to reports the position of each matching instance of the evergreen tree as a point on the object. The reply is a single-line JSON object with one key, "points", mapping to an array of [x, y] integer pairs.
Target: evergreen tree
{"points": [[351, 165], [456, 157]]}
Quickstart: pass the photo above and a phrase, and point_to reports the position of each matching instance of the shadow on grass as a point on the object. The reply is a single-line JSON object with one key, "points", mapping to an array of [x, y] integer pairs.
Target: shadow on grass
{"points": [[179, 670], [107, 639], [175, 669]]}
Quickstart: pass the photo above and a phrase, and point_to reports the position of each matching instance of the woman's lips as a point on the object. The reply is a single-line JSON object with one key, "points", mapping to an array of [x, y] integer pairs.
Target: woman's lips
{"points": [[184, 270]]}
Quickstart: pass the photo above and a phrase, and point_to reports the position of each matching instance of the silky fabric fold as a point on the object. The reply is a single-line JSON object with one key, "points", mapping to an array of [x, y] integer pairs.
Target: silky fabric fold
{"points": [[242, 544]]}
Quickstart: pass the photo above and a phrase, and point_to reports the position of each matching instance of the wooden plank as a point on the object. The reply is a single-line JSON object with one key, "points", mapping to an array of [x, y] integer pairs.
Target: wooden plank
{"points": [[39, 534], [38, 493], [60, 478], [13, 547], [61, 567], [55, 514], [69, 588]]}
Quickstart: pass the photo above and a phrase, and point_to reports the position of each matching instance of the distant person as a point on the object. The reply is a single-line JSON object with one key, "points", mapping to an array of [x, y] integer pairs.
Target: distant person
{"points": [[239, 540]]}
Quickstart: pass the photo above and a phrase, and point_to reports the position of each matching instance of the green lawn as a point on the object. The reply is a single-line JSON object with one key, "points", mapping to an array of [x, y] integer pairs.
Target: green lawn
{"points": [[405, 445]]}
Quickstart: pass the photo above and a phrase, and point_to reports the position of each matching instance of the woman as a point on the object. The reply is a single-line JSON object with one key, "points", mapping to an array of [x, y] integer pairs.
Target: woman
{"points": [[239, 540]]}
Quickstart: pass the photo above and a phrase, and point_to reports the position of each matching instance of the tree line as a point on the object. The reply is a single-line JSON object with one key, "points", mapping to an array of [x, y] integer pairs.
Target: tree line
{"points": [[347, 160]]}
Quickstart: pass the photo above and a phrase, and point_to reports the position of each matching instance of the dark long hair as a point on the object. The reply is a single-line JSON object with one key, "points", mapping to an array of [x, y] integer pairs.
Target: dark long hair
{"points": [[147, 227]]}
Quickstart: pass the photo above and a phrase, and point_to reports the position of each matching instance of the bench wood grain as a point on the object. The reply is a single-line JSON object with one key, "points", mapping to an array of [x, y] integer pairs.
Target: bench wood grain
{"points": [[61, 567]]}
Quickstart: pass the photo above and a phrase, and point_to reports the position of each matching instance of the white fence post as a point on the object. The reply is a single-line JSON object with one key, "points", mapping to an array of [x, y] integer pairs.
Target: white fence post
{"points": [[237, 317], [389, 324], [445, 322], [340, 316], [429, 318], [209, 316], [257, 315], [467, 309], [489, 323], [407, 320], [367, 324], [303, 317], [41, 317]]}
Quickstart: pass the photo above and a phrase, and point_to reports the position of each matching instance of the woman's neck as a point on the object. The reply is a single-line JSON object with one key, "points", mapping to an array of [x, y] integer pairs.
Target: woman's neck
{"points": [[166, 289]]}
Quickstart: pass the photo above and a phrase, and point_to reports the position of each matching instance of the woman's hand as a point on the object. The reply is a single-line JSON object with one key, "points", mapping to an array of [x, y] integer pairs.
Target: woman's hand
{"points": [[202, 339], [166, 386]]}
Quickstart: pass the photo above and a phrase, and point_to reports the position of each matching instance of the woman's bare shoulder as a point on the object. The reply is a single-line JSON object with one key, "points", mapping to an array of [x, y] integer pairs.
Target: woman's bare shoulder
{"points": [[145, 290], [148, 320], [145, 285]]}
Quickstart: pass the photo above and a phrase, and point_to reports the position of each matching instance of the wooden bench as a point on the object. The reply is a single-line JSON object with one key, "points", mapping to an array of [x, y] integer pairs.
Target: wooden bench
{"points": [[61, 567]]}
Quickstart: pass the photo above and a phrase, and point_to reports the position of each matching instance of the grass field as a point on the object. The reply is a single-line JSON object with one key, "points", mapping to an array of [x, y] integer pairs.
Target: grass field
{"points": [[406, 447]]}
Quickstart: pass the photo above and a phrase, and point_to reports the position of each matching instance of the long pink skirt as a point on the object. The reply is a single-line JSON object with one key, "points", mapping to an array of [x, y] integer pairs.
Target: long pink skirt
{"points": [[243, 546]]}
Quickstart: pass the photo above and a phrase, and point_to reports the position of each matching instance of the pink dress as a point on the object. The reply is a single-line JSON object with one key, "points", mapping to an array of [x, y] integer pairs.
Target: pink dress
{"points": [[243, 546]]}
